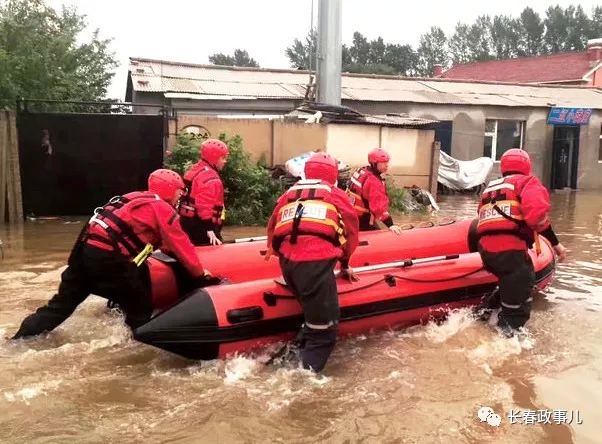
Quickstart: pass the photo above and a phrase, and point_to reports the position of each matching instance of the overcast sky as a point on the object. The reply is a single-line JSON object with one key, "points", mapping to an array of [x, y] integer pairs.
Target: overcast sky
{"points": [[191, 30]]}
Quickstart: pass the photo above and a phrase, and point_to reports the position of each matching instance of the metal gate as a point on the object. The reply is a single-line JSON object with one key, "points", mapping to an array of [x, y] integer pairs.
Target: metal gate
{"points": [[72, 162]]}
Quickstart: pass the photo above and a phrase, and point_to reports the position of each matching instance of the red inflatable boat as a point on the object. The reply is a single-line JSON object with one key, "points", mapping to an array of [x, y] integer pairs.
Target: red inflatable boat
{"points": [[215, 321], [245, 261]]}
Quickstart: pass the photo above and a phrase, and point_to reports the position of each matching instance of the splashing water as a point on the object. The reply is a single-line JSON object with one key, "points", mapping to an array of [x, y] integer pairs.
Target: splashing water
{"points": [[89, 382]]}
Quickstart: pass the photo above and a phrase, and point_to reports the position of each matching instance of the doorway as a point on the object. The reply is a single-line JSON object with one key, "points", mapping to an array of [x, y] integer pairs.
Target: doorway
{"points": [[443, 134], [565, 157]]}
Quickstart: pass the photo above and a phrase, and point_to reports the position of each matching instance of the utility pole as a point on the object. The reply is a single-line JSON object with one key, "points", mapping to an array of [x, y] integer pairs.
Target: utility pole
{"points": [[330, 57]]}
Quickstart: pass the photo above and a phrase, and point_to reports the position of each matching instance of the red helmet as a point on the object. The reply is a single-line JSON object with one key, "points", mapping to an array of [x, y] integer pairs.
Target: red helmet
{"points": [[321, 166], [212, 150], [515, 160], [165, 183], [378, 155]]}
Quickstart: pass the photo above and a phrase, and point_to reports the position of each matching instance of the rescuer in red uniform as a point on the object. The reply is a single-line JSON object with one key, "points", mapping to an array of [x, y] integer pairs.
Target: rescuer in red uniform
{"points": [[513, 212], [314, 226], [108, 258], [368, 194], [202, 206]]}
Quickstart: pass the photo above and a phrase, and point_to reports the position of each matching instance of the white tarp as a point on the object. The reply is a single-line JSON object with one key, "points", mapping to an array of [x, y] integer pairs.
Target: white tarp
{"points": [[463, 174], [296, 166]]}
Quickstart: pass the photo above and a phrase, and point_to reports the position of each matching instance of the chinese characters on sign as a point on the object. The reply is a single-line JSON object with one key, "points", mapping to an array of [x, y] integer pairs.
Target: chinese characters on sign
{"points": [[569, 116], [531, 417], [544, 417]]}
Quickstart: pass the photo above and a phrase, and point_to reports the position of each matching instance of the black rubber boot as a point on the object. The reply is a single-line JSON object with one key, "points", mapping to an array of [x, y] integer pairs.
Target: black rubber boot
{"points": [[290, 353], [492, 302]]}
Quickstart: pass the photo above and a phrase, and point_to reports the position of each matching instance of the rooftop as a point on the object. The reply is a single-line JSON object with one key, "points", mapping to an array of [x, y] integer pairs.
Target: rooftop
{"points": [[559, 67], [210, 82], [311, 112]]}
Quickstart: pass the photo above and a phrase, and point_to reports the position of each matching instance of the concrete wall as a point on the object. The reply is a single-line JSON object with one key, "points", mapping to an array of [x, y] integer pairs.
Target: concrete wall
{"points": [[411, 150], [147, 98], [468, 135], [468, 132], [256, 134], [247, 107], [293, 139], [351, 143], [589, 175], [276, 140]]}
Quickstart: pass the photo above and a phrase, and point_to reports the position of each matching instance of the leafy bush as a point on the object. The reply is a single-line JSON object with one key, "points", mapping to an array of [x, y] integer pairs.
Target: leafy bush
{"points": [[250, 191], [397, 198]]}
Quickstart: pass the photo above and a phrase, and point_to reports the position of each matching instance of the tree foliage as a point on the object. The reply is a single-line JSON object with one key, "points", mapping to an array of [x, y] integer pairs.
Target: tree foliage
{"points": [[487, 38], [431, 51], [41, 56], [251, 193], [240, 58], [299, 53]]}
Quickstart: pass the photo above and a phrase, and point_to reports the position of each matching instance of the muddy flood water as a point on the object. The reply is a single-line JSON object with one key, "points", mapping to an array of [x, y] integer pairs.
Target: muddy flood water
{"points": [[89, 382]]}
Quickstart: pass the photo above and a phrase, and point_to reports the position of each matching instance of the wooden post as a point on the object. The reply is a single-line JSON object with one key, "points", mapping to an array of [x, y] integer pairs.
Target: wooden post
{"points": [[434, 175], [3, 164], [10, 172], [15, 172]]}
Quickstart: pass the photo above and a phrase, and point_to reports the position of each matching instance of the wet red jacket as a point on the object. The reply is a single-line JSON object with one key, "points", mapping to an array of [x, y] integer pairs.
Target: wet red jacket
{"points": [[207, 190], [314, 248], [155, 222], [535, 206], [374, 193]]}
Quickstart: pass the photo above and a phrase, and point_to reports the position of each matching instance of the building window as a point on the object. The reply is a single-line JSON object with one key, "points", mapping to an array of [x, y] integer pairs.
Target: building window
{"points": [[600, 148], [502, 135]]}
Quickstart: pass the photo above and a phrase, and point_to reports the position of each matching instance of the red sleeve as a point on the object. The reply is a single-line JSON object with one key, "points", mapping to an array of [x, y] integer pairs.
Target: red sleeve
{"points": [[273, 220], [212, 191], [175, 240], [350, 219], [376, 194], [535, 202]]}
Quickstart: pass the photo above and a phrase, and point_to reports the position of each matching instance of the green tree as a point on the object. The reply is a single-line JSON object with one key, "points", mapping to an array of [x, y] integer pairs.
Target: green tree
{"points": [[557, 25], [363, 56], [432, 51], [596, 22], [251, 193], [360, 49], [459, 45], [378, 68], [240, 58], [505, 33], [377, 51], [487, 38], [579, 29], [479, 39], [299, 52], [41, 56], [402, 58], [532, 31]]}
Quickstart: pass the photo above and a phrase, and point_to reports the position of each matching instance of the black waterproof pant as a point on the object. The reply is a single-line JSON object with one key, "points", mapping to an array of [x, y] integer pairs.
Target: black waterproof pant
{"points": [[365, 224], [516, 274], [95, 271], [314, 285], [196, 229]]}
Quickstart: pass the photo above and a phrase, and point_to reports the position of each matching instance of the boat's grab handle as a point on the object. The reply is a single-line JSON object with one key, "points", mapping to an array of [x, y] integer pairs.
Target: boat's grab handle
{"points": [[403, 264], [271, 299]]}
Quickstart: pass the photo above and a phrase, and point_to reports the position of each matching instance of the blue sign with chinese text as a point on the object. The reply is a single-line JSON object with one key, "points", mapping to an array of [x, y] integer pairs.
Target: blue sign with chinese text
{"points": [[569, 116]]}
